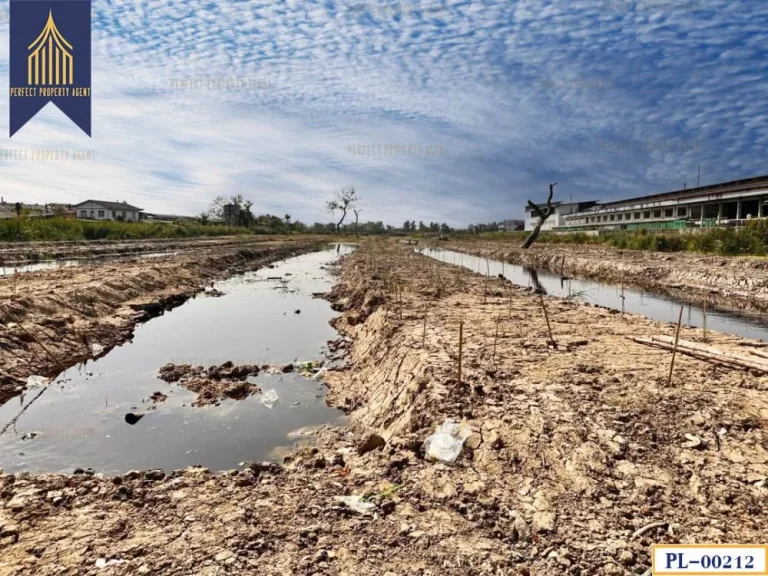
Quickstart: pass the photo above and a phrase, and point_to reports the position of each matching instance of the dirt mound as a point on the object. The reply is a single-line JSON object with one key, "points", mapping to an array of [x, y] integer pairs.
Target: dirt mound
{"points": [[213, 384]]}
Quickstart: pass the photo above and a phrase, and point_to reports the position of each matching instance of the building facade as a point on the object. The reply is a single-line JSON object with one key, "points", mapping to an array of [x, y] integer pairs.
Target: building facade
{"points": [[725, 204], [102, 210]]}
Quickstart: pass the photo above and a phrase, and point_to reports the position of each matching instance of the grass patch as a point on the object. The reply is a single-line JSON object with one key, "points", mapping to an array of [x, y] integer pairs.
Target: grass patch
{"points": [[69, 229], [750, 240]]}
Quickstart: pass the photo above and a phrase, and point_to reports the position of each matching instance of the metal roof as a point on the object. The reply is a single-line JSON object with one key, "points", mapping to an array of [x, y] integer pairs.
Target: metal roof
{"points": [[112, 205], [712, 189]]}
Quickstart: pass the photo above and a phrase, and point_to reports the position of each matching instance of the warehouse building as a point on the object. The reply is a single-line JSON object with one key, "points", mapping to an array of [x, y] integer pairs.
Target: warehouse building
{"points": [[725, 204]]}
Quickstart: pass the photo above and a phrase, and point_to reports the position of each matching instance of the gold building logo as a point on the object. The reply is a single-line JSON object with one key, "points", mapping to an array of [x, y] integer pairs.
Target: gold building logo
{"points": [[50, 61]]}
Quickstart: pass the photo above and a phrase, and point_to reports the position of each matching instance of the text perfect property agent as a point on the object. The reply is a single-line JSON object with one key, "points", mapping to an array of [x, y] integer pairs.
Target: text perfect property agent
{"points": [[49, 92]]}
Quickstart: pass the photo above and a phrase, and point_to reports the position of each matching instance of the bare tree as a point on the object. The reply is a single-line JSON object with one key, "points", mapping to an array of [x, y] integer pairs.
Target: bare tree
{"points": [[357, 217], [344, 200], [542, 214]]}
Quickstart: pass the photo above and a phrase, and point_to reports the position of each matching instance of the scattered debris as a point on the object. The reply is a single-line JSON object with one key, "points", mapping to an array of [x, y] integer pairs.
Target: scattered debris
{"points": [[446, 443], [269, 399], [357, 504], [132, 418], [37, 381]]}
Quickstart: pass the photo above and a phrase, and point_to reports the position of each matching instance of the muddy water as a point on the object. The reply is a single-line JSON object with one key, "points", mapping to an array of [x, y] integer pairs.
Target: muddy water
{"points": [[9, 269], [80, 418], [654, 306]]}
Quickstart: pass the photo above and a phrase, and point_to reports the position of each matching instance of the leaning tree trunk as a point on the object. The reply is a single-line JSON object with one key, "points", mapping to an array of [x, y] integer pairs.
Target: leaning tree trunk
{"points": [[542, 214]]}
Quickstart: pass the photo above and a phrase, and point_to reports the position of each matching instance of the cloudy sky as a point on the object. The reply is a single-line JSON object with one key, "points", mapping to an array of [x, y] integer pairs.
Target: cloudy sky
{"points": [[453, 111]]}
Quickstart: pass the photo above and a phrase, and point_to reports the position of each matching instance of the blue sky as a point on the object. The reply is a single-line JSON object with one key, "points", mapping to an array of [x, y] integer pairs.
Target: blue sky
{"points": [[610, 98]]}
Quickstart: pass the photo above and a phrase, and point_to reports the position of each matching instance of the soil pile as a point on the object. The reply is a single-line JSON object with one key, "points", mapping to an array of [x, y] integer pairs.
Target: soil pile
{"points": [[214, 383]]}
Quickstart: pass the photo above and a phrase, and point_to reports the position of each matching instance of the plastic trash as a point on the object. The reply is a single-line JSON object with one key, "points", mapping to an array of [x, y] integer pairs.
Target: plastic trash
{"points": [[96, 349], [446, 443], [320, 374], [270, 398], [36, 380], [104, 563], [357, 504]]}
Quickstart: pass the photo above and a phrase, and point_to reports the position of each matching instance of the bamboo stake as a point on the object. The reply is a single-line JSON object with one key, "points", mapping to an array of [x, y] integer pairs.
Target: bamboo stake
{"points": [[495, 340], [706, 301], [622, 300], [546, 317], [461, 338], [674, 350], [702, 354], [424, 333]]}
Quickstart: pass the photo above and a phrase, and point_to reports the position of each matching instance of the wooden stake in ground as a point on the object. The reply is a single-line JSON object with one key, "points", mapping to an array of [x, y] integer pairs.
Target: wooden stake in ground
{"points": [[706, 301], [495, 340], [546, 317], [461, 338], [674, 350], [424, 334], [622, 300]]}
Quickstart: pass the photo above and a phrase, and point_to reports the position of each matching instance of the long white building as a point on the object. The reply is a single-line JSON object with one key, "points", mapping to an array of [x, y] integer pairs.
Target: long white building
{"points": [[724, 204]]}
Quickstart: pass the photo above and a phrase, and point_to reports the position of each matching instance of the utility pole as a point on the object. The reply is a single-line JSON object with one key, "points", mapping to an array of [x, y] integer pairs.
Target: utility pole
{"points": [[698, 178]]}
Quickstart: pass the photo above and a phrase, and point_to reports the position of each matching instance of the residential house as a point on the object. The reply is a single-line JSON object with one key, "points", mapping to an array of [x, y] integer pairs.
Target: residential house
{"points": [[102, 210]]}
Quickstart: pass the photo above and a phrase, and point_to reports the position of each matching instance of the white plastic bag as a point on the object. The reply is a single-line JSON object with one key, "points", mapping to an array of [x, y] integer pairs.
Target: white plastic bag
{"points": [[35, 380], [446, 443], [270, 398], [357, 504]]}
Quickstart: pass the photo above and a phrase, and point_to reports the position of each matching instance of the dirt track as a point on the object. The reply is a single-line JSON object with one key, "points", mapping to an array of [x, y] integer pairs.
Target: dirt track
{"points": [[54, 319], [732, 283], [575, 465]]}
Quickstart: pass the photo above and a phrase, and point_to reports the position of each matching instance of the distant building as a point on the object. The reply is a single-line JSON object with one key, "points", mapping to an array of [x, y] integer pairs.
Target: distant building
{"points": [[102, 210], [562, 209], [231, 213], [724, 204], [514, 225]]}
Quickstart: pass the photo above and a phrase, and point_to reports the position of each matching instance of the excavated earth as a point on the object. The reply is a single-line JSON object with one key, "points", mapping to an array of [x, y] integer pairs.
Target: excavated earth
{"points": [[731, 283], [577, 461], [54, 319]]}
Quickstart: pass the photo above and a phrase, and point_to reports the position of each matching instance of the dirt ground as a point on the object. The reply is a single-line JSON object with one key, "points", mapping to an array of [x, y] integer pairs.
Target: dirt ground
{"points": [[53, 319], [731, 283], [575, 457], [95, 250]]}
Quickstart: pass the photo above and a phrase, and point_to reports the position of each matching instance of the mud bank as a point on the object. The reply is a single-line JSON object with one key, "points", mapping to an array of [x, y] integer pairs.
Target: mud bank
{"points": [[53, 320], [577, 458], [96, 250], [729, 283]]}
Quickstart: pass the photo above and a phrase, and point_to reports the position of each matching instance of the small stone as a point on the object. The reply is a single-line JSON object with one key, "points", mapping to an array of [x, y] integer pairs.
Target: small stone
{"points": [[522, 529], [224, 556], [321, 556], [371, 442], [288, 368], [626, 557], [154, 475], [543, 522], [387, 507]]}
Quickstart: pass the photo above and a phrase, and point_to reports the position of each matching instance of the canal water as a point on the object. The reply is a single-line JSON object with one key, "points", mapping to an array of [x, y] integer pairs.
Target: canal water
{"points": [[265, 317], [654, 306]]}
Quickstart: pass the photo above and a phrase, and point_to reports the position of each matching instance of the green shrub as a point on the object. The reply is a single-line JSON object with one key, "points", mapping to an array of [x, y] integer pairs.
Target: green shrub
{"points": [[69, 229]]}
